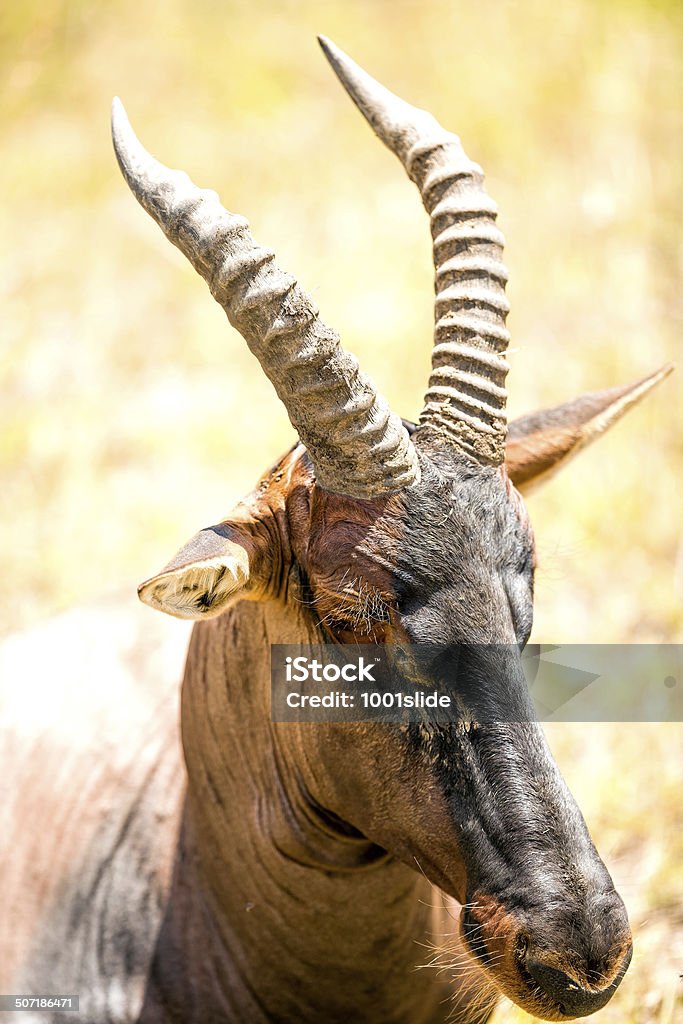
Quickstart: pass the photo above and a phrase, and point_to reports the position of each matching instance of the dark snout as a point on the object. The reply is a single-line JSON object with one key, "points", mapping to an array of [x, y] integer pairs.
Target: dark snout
{"points": [[573, 995], [557, 965]]}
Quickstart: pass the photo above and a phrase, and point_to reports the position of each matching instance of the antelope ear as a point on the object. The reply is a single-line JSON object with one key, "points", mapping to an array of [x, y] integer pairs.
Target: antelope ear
{"points": [[539, 444], [217, 567]]}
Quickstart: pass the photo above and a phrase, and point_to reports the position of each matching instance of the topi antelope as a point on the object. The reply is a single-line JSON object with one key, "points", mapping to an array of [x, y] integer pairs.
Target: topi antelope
{"points": [[297, 873]]}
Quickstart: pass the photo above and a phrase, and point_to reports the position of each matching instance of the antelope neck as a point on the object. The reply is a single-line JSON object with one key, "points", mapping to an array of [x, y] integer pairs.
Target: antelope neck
{"points": [[258, 860]]}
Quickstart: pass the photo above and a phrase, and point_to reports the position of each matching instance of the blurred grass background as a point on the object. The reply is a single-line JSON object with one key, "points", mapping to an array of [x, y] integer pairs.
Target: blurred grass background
{"points": [[132, 414]]}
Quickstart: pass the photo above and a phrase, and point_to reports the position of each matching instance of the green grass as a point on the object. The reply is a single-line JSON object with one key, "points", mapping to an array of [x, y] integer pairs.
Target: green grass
{"points": [[131, 413]]}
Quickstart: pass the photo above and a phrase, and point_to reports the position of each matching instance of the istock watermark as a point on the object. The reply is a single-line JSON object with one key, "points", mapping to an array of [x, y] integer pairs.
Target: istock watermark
{"points": [[477, 682], [302, 669]]}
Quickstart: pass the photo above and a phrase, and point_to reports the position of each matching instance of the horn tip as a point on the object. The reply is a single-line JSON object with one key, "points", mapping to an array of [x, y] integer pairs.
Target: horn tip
{"points": [[326, 45], [120, 125], [336, 57], [118, 111], [130, 154]]}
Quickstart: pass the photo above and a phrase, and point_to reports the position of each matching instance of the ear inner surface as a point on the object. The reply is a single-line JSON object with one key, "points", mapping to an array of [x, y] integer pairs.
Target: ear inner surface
{"points": [[540, 443], [203, 579]]}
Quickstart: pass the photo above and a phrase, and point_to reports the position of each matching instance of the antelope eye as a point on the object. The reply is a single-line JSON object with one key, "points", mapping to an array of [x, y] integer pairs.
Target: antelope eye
{"points": [[356, 612]]}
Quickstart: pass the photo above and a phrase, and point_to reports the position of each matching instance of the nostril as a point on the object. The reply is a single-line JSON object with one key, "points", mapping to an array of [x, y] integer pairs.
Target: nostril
{"points": [[561, 988], [572, 998], [594, 975]]}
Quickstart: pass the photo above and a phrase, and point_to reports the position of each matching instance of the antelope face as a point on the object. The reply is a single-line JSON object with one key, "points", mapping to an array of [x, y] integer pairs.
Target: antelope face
{"points": [[479, 805]]}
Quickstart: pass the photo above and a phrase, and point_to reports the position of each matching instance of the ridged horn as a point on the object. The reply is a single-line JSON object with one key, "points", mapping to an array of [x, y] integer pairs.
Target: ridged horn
{"points": [[358, 446], [465, 401]]}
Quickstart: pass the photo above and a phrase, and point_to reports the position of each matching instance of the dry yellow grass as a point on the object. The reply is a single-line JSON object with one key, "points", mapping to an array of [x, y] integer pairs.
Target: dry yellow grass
{"points": [[132, 415]]}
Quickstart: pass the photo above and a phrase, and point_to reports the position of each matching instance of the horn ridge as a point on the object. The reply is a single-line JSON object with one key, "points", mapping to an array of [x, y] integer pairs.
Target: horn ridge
{"points": [[470, 276], [357, 445]]}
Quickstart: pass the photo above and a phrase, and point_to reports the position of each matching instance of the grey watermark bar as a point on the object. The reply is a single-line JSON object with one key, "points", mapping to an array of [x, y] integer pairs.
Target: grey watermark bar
{"points": [[38, 1003], [486, 683]]}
